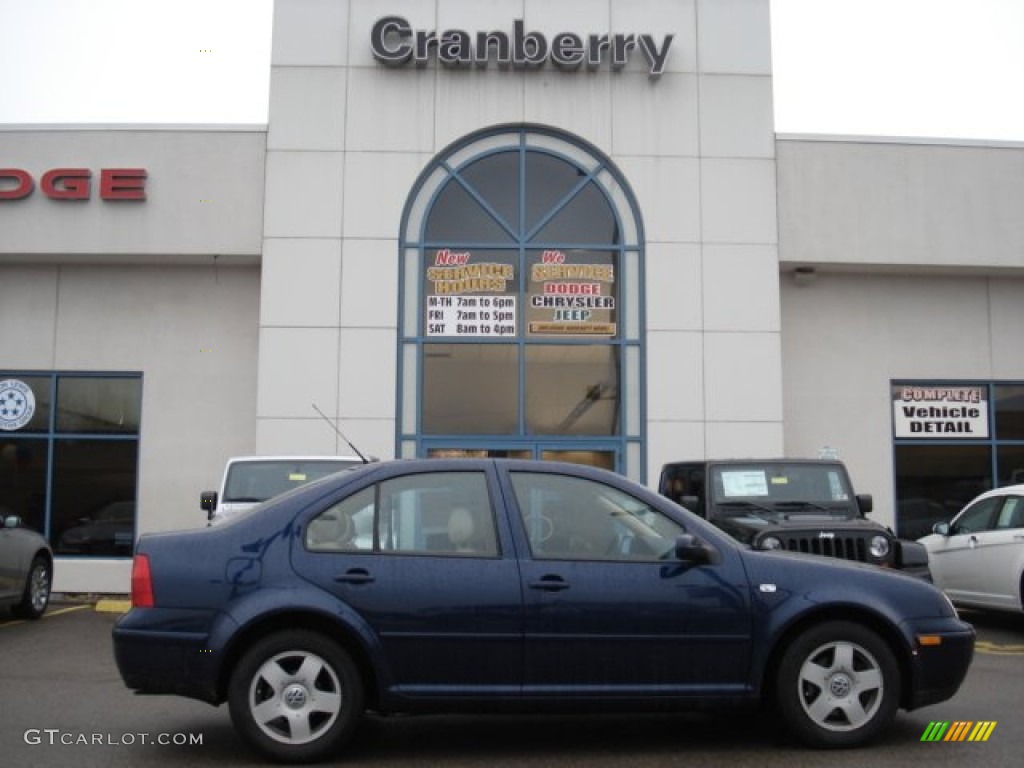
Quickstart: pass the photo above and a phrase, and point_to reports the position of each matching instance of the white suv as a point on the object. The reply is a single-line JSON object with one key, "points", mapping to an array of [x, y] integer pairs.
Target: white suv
{"points": [[251, 480]]}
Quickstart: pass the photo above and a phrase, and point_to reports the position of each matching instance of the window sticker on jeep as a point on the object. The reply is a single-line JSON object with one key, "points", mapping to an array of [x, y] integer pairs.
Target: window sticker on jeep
{"points": [[835, 484], [746, 482], [297, 477]]}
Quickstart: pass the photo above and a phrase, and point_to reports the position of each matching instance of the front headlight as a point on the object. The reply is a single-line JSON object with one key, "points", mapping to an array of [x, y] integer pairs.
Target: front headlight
{"points": [[879, 547], [771, 543]]}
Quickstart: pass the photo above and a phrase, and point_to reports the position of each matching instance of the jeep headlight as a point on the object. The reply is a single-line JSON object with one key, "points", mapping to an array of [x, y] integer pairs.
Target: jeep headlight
{"points": [[771, 543], [879, 547]]}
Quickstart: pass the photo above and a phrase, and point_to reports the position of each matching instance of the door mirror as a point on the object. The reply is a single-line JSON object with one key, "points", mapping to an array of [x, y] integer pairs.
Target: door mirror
{"points": [[690, 549], [941, 528], [208, 503], [865, 503], [12, 521]]}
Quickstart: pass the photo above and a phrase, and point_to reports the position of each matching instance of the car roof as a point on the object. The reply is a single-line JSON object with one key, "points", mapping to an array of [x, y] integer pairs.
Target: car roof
{"points": [[1006, 490]]}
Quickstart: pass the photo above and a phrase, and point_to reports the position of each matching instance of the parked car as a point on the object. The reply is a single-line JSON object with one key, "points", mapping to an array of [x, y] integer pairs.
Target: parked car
{"points": [[798, 505], [110, 530], [26, 569], [251, 480], [514, 585], [978, 557]]}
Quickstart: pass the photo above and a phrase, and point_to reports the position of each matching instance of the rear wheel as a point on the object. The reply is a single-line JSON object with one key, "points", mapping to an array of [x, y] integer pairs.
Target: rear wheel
{"points": [[838, 685], [296, 696], [36, 596]]}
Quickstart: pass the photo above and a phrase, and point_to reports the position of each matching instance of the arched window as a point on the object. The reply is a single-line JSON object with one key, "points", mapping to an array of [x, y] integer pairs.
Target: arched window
{"points": [[520, 320]]}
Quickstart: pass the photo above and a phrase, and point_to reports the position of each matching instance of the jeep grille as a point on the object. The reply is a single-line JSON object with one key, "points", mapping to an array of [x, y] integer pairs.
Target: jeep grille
{"points": [[844, 547]]}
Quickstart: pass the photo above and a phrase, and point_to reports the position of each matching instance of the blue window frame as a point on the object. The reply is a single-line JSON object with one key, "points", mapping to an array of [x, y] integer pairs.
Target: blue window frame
{"points": [[69, 446], [521, 320], [952, 440]]}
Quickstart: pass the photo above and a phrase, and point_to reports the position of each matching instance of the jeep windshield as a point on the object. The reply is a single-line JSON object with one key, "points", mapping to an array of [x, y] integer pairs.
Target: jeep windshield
{"points": [[257, 481], [783, 491]]}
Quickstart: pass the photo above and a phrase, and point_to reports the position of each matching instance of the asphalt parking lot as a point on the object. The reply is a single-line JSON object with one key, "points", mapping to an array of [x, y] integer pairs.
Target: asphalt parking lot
{"points": [[62, 703]]}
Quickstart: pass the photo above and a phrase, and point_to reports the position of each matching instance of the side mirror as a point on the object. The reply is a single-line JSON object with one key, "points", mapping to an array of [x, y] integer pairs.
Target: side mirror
{"points": [[941, 528], [208, 503], [12, 521], [865, 503], [690, 549]]}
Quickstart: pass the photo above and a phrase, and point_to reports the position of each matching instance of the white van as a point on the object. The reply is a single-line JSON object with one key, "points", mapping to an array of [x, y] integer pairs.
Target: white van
{"points": [[250, 480]]}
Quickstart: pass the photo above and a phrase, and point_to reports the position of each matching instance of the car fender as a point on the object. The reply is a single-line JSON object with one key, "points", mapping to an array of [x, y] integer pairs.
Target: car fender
{"points": [[256, 613], [782, 601]]}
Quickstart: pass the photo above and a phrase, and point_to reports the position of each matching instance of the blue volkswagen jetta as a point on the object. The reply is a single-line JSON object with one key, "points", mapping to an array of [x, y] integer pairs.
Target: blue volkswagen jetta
{"points": [[464, 585]]}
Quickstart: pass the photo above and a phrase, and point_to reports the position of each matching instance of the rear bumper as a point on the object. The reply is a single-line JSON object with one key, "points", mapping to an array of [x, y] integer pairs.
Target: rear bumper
{"points": [[161, 661], [939, 670]]}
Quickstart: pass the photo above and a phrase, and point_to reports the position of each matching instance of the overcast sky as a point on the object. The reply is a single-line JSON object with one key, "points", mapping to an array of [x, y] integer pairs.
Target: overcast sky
{"points": [[929, 68]]}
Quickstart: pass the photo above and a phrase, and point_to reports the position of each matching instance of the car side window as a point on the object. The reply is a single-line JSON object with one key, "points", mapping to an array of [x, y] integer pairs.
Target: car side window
{"points": [[438, 513], [445, 513], [345, 526], [572, 518], [977, 518], [1012, 513]]}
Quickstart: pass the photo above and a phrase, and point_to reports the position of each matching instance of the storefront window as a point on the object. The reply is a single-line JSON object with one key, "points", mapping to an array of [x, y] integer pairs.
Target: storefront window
{"points": [[953, 441], [522, 254], [71, 471]]}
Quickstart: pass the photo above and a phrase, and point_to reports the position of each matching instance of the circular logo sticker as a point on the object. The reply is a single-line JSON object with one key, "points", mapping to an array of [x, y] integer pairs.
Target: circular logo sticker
{"points": [[17, 404]]}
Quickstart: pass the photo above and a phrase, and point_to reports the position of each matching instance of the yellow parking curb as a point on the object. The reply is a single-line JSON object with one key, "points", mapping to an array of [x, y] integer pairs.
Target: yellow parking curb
{"points": [[109, 605]]}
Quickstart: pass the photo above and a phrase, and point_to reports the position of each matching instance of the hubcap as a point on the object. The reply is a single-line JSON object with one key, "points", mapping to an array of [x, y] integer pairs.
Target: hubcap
{"points": [[295, 697], [840, 686], [39, 589]]}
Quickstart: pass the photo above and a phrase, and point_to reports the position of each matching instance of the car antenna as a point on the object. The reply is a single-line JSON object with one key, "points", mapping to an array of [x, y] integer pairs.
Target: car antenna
{"points": [[340, 434]]}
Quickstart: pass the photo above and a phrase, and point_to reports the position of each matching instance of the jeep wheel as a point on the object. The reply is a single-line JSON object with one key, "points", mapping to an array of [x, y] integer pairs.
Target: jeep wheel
{"points": [[296, 696], [838, 685]]}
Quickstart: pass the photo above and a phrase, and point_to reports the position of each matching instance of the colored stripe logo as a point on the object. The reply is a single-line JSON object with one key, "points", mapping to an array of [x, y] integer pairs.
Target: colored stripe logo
{"points": [[960, 730]]}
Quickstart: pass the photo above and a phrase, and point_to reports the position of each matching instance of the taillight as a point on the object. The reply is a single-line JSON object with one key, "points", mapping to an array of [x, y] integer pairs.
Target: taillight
{"points": [[142, 583]]}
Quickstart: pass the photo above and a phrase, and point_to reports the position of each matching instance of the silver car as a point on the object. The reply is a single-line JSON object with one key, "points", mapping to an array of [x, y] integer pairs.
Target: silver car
{"points": [[26, 569], [978, 557]]}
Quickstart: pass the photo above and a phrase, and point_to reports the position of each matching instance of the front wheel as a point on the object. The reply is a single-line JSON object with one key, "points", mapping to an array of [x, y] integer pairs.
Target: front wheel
{"points": [[838, 685], [36, 596], [296, 696]]}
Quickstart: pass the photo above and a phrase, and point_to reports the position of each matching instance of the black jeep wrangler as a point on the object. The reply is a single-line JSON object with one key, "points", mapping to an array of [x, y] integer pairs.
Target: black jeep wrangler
{"points": [[800, 505]]}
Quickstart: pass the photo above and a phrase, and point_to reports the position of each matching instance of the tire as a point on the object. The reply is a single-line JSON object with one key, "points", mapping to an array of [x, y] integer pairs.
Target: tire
{"points": [[838, 685], [296, 696], [36, 596]]}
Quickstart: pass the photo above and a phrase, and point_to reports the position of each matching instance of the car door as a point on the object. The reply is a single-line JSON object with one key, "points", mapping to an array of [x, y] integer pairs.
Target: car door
{"points": [[957, 561], [608, 607], [421, 559], [10, 563], [999, 553]]}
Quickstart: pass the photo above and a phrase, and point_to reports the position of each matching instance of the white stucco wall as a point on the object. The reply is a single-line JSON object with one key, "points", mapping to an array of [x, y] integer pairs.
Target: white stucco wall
{"points": [[918, 252], [347, 138], [168, 287]]}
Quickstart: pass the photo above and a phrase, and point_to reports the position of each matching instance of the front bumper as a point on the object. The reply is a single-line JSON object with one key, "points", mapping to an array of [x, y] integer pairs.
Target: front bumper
{"points": [[942, 654]]}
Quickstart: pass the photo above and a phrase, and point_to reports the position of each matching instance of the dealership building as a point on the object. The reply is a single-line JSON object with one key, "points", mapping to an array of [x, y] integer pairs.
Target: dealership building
{"points": [[516, 228]]}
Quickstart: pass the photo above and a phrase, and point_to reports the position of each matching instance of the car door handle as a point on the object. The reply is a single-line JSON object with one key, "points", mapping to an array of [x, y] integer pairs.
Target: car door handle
{"points": [[355, 576], [550, 584], [972, 542], [1018, 537]]}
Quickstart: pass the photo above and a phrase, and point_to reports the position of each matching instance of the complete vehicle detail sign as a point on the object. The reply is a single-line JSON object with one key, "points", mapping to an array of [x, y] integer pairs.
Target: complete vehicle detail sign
{"points": [[937, 412], [395, 43]]}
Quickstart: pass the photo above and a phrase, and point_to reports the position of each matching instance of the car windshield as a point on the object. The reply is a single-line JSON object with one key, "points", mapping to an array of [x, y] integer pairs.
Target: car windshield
{"points": [[784, 490], [257, 481]]}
